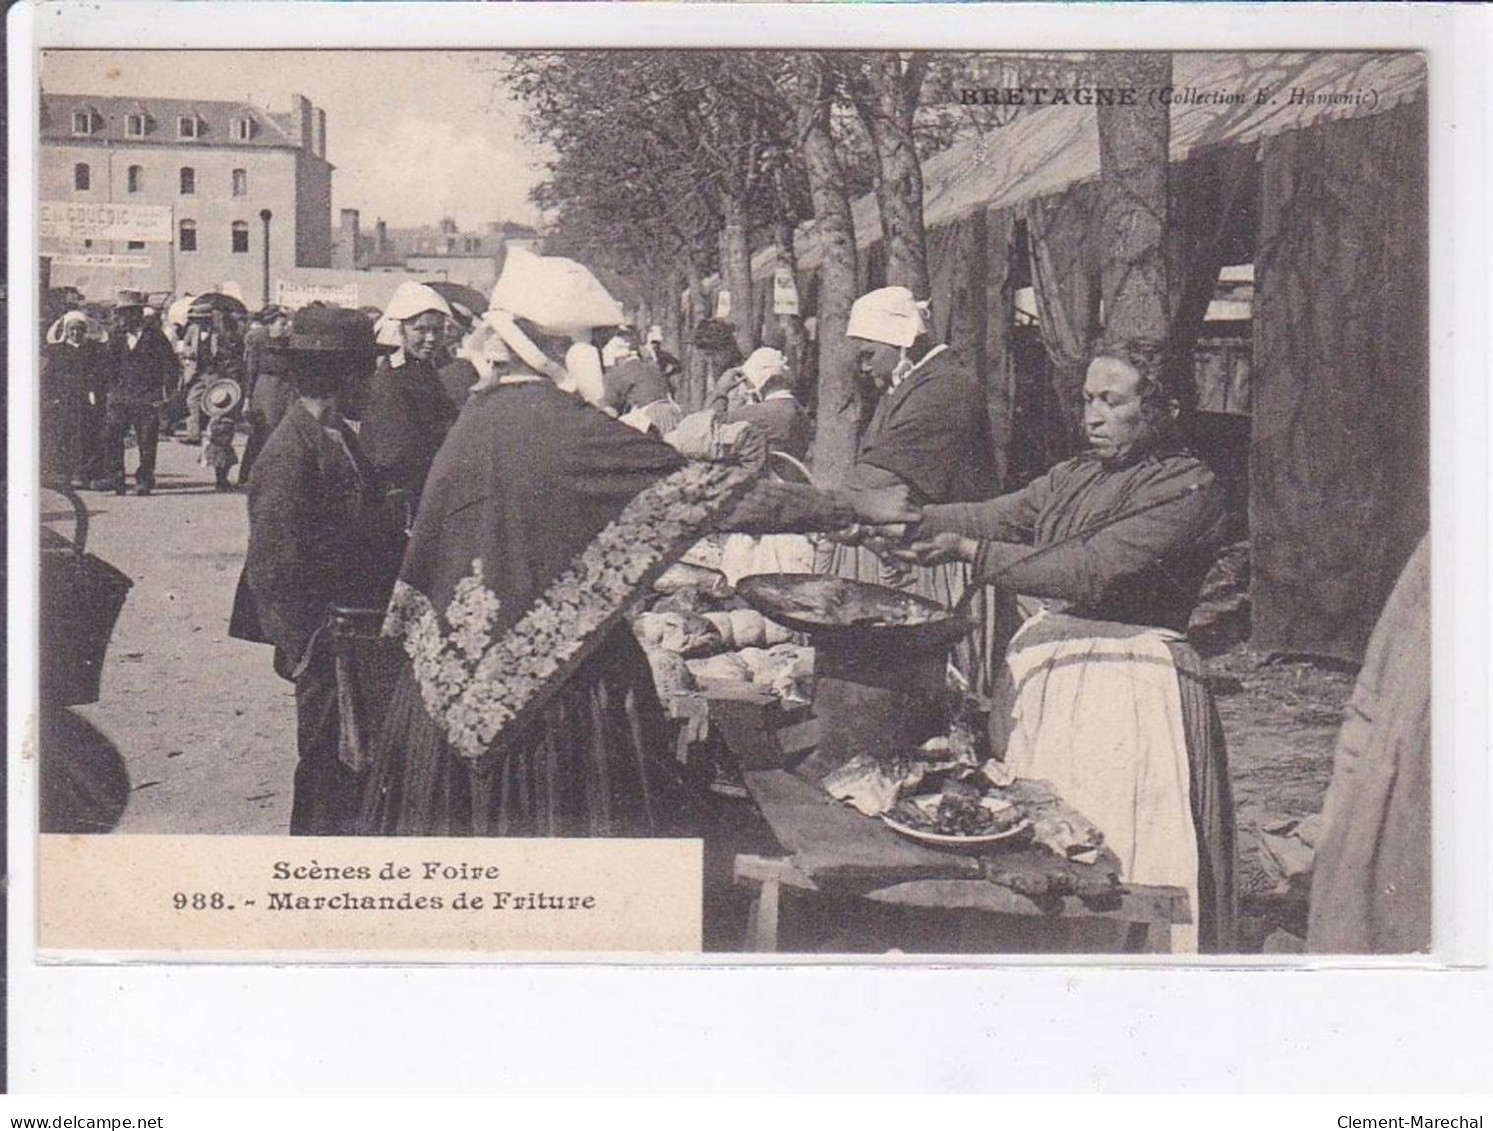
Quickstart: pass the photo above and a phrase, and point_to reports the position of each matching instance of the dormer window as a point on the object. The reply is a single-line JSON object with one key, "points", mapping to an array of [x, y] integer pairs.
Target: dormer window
{"points": [[188, 127], [243, 129], [82, 121], [134, 125]]}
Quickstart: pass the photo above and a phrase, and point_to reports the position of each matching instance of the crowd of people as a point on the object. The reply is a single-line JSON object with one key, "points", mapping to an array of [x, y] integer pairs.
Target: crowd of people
{"points": [[129, 370], [451, 515]]}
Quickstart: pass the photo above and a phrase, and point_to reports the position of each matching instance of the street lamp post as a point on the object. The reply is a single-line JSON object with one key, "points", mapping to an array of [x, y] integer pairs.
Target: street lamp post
{"points": [[264, 216]]}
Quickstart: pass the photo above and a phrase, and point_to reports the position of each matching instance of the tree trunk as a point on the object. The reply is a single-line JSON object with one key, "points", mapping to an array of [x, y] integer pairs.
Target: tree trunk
{"points": [[736, 272], [886, 96], [1134, 143], [696, 364], [669, 319], [836, 433], [789, 327]]}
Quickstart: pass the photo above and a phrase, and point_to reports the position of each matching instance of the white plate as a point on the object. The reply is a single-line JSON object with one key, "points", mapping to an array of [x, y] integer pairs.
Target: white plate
{"points": [[957, 843]]}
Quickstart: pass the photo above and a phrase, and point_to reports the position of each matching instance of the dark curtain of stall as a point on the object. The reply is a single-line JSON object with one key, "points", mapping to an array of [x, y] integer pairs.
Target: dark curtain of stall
{"points": [[1211, 199], [1065, 265], [956, 269], [1339, 475]]}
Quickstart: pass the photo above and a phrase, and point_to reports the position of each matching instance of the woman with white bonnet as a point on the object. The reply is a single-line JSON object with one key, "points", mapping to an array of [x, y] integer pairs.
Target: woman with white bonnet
{"points": [[527, 707], [73, 382], [930, 432], [408, 412], [765, 399], [768, 404]]}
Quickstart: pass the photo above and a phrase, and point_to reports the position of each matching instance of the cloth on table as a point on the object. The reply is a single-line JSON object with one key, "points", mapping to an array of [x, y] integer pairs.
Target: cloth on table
{"points": [[746, 556]]}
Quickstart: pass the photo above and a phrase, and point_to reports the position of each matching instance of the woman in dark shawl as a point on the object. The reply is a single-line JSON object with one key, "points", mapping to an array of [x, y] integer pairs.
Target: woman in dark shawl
{"points": [[528, 708]]}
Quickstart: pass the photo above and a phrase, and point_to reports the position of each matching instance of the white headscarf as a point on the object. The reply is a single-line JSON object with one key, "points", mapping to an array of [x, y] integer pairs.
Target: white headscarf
{"points": [[762, 366], [413, 299], [558, 295], [56, 331], [889, 315], [618, 348]]}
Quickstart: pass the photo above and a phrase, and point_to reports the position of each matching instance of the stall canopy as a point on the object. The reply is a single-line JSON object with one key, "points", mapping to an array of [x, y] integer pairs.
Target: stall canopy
{"points": [[1322, 183]]}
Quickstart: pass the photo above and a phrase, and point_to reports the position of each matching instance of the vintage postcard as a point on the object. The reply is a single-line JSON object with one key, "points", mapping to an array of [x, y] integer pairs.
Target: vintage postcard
{"points": [[658, 504]]}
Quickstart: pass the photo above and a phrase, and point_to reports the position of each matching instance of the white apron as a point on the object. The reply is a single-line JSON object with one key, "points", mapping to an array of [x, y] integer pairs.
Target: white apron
{"points": [[1100, 717]]}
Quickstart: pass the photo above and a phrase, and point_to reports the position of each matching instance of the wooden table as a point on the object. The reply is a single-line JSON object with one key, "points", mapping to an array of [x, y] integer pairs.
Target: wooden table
{"points": [[835, 851]]}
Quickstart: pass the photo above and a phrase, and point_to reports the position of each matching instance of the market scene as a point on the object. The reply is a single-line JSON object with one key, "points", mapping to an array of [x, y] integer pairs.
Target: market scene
{"points": [[985, 498]]}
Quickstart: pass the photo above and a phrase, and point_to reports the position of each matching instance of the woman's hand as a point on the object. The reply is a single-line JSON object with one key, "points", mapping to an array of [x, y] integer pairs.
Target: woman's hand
{"points": [[946, 547]]}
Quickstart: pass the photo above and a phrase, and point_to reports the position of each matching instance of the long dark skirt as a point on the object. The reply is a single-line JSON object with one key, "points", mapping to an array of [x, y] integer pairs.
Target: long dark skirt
{"points": [[1212, 800], [595, 762]]}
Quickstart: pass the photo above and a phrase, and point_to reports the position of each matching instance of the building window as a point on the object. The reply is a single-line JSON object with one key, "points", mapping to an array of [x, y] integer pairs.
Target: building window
{"points": [[82, 121], [135, 178], [136, 245], [188, 127], [188, 180], [240, 182], [240, 236], [243, 129], [188, 240], [134, 125], [82, 176]]}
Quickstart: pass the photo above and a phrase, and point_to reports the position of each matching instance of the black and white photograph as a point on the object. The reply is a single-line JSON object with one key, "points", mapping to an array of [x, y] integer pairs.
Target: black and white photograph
{"points": [[979, 500]]}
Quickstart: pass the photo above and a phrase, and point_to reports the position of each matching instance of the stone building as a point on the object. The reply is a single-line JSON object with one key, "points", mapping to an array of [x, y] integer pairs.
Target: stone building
{"points": [[216, 166]]}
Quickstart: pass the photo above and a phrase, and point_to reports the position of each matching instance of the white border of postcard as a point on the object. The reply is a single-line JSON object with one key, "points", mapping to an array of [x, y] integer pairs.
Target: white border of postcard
{"points": [[1054, 1024]]}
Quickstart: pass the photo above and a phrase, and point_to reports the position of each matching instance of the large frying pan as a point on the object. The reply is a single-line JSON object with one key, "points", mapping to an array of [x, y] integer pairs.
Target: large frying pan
{"points": [[798, 601]]}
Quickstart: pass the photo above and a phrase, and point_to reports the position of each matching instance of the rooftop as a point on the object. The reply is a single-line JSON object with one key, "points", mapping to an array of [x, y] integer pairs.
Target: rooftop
{"points": [[110, 121]]}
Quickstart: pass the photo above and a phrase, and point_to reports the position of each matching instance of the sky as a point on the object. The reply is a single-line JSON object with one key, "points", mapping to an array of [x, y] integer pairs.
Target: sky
{"points": [[414, 135]]}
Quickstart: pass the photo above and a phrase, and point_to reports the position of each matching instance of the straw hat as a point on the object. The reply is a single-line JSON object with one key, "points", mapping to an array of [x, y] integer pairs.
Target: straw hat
{"points": [[222, 396]]}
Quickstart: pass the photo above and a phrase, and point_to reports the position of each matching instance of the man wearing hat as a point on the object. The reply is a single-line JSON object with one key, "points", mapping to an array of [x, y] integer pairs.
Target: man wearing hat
{"points": [[408, 411], [320, 540], [143, 375]]}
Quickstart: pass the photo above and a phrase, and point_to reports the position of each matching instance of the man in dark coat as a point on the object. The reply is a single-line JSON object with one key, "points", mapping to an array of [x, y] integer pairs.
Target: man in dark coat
{"points": [[143, 375], [320, 539]]}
